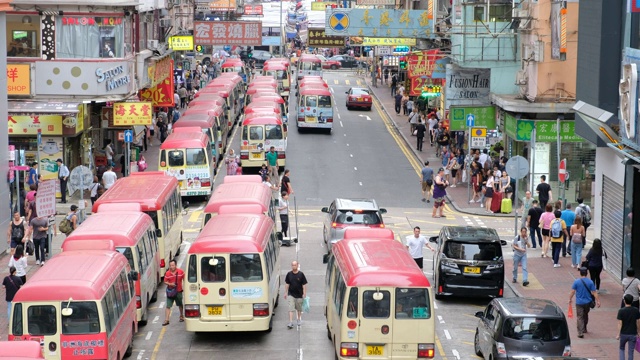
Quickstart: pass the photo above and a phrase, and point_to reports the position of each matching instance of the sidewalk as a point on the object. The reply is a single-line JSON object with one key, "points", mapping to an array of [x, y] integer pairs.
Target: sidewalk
{"points": [[546, 282]]}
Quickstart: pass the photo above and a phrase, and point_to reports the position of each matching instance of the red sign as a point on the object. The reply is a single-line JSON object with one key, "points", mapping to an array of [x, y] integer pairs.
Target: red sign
{"points": [[422, 64], [417, 83], [162, 93], [562, 170], [91, 21], [228, 32], [253, 9]]}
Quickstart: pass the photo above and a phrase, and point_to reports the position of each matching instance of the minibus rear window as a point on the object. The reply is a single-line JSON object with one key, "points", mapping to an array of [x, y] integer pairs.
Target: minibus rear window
{"points": [[312, 101], [42, 320], [213, 272], [274, 132], [376, 309], [324, 101], [255, 133], [83, 320], [412, 303], [245, 267], [196, 157]]}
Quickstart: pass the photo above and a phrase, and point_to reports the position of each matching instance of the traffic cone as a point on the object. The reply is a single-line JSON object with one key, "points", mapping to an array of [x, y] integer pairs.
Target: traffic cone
{"points": [[570, 312]]}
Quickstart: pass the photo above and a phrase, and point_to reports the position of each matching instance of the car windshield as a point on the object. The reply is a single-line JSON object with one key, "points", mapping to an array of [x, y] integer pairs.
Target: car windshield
{"points": [[358, 217], [359, 92], [524, 328], [479, 251]]}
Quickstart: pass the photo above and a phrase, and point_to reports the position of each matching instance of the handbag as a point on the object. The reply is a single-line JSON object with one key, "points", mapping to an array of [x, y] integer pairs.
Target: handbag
{"points": [[305, 304], [429, 182], [638, 344], [29, 247], [172, 292], [415, 132], [592, 304]]}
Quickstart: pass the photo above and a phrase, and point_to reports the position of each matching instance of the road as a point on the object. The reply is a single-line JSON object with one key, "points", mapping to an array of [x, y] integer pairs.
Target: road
{"points": [[363, 157]]}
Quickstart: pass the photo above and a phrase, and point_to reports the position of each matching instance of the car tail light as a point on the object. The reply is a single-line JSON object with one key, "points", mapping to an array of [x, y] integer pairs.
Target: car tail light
{"points": [[192, 311], [244, 156], [501, 292], [220, 145], [500, 348], [426, 351], [376, 226], [261, 309], [440, 289], [349, 349], [335, 225], [138, 302], [162, 263], [567, 351], [205, 183]]}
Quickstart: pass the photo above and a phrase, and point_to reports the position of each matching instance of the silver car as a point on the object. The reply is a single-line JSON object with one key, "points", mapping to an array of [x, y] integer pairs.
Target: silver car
{"points": [[343, 213]]}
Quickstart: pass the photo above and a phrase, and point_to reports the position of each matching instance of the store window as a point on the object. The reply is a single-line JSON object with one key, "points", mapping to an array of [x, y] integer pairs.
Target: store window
{"points": [[23, 38], [89, 37]]}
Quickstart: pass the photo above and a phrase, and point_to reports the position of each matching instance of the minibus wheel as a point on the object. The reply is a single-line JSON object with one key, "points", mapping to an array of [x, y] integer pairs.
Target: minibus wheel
{"points": [[270, 325], [328, 332]]}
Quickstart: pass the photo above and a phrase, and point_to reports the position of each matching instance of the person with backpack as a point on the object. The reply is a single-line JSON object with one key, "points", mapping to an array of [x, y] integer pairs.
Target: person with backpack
{"points": [[19, 261], [38, 227], [11, 284], [584, 212], [557, 229], [16, 233], [70, 221]]}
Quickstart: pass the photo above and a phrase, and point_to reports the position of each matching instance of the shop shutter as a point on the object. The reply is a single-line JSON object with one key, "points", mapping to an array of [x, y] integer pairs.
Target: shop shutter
{"points": [[612, 225]]}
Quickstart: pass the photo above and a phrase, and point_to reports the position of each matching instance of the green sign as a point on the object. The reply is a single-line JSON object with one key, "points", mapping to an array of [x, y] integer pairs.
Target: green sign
{"points": [[546, 130], [485, 116]]}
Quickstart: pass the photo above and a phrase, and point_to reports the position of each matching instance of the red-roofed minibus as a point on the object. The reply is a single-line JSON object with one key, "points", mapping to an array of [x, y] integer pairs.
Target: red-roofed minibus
{"points": [[281, 73], [80, 306], [260, 102], [309, 64], [226, 91], [20, 350], [233, 274], [242, 179], [234, 66], [378, 302], [211, 119], [159, 197], [239, 193], [258, 135], [315, 109], [133, 235]]}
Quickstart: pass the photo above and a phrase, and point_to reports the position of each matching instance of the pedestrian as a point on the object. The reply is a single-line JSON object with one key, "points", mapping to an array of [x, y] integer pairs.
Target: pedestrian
{"points": [[264, 171], [415, 243], [454, 166], [631, 286], [163, 129], [19, 261], [405, 99], [109, 178], [182, 92], [439, 193], [628, 325], [63, 176], [520, 244], [72, 217], [394, 84], [11, 284], [426, 182], [569, 218], [533, 222], [557, 232], [231, 161], [576, 231], [17, 232], [401, 89], [409, 105], [585, 292], [38, 227], [446, 157], [285, 183], [527, 203], [32, 176], [385, 74], [433, 126], [295, 290], [505, 185], [31, 195], [413, 120], [545, 221], [94, 189], [594, 262], [443, 138], [283, 208], [584, 211], [398, 102], [488, 191], [272, 162], [476, 182], [174, 279], [420, 131], [108, 150], [544, 192]]}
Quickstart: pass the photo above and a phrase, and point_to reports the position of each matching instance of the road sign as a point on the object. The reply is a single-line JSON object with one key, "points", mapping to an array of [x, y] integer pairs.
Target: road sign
{"points": [[339, 21], [471, 120], [128, 136], [478, 137], [562, 170], [517, 167], [383, 50], [46, 199]]}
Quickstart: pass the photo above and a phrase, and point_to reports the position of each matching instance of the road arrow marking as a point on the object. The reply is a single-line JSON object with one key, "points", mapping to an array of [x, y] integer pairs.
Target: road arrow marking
{"points": [[365, 116]]}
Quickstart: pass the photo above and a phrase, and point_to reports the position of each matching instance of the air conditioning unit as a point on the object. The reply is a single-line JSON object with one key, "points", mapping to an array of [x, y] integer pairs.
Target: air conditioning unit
{"points": [[522, 78], [152, 44], [165, 23]]}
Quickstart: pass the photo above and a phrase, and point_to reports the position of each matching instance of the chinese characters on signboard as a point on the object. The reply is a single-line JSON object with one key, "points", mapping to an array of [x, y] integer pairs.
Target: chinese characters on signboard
{"points": [[29, 125], [181, 42], [228, 32], [253, 9], [223, 5], [18, 79], [162, 93], [317, 37], [379, 23], [132, 113]]}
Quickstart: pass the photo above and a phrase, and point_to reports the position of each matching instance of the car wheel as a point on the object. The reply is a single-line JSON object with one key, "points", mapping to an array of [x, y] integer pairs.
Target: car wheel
{"points": [[348, 107], [369, 108], [476, 344], [334, 67]]}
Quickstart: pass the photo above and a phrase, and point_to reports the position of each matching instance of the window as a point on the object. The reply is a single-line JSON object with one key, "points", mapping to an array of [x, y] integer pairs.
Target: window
{"points": [[500, 13], [192, 270], [89, 37], [412, 303], [376, 309], [142, 257], [176, 158], [311, 101], [107, 315], [324, 101], [245, 267], [154, 216], [112, 309], [473, 251], [83, 320], [341, 289], [17, 319], [42, 320], [532, 328], [256, 133], [213, 273], [196, 157], [358, 217], [352, 305], [23, 40], [358, 91], [128, 254], [274, 132], [327, 277], [478, 13], [280, 74]]}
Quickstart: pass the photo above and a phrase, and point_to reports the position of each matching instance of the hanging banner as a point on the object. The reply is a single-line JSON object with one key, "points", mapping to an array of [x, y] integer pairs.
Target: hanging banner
{"points": [[379, 23], [132, 113], [228, 32], [160, 94], [422, 63], [317, 37]]}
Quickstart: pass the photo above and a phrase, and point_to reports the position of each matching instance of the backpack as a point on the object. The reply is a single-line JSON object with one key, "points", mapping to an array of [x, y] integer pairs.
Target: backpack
{"points": [[556, 228], [17, 231], [585, 214], [65, 226]]}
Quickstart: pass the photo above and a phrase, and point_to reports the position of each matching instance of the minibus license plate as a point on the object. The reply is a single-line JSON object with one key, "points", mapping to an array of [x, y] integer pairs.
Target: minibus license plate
{"points": [[214, 310], [471, 270], [311, 119], [375, 350], [256, 155]]}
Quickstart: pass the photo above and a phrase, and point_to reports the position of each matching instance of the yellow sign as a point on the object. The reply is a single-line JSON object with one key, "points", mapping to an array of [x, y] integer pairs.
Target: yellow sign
{"points": [[18, 79], [321, 5], [181, 43], [29, 125], [479, 132], [371, 41], [82, 116], [223, 5], [132, 113]]}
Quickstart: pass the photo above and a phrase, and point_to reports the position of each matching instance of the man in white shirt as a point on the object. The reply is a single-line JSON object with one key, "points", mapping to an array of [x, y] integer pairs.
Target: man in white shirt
{"points": [[63, 175], [109, 178], [483, 157], [415, 243]]}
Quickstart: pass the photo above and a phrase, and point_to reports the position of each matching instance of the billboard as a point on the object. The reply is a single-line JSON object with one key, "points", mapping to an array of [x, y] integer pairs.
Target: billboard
{"points": [[223, 5], [371, 41], [253, 9], [379, 23], [467, 86], [317, 37], [228, 32], [181, 42]]}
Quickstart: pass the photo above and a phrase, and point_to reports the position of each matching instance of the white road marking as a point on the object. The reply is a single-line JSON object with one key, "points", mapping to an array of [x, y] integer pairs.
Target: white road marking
{"points": [[360, 183], [148, 337], [347, 144], [157, 318], [365, 116], [355, 168], [440, 319], [350, 155], [456, 353], [341, 124], [140, 355], [161, 305], [435, 306], [446, 334], [338, 115], [331, 89]]}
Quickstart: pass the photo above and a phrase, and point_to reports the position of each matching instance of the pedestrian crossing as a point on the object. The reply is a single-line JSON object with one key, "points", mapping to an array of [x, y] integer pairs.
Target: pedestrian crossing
{"points": [[348, 82]]}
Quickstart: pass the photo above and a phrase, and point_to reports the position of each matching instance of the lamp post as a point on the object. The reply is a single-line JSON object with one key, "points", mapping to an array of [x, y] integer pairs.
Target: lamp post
{"points": [[282, 32]]}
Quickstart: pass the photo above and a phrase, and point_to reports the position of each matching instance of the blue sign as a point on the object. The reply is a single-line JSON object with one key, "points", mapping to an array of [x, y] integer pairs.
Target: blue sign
{"points": [[271, 41], [128, 136], [471, 120], [367, 49], [227, 48], [379, 23]]}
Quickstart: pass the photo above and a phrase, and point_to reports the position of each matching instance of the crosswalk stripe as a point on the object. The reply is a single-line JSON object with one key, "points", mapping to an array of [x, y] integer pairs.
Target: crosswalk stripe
{"points": [[359, 82], [336, 82], [347, 82]]}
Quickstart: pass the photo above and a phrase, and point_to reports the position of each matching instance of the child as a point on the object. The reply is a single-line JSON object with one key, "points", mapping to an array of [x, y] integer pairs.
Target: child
{"points": [[264, 171], [239, 169]]}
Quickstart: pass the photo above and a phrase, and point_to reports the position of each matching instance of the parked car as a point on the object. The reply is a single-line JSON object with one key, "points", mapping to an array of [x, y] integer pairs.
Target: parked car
{"points": [[346, 61], [359, 98], [329, 64], [343, 213], [521, 328], [468, 262]]}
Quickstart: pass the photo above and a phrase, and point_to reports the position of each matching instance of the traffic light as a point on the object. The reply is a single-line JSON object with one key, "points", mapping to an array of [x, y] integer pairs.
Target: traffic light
{"points": [[403, 62], [431, 91]]}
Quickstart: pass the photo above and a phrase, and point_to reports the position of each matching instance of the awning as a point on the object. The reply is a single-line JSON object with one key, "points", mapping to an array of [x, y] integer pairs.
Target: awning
{"points": [[43, 107]]}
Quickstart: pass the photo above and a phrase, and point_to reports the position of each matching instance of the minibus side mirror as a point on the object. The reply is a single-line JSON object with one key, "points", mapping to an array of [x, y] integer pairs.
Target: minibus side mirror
{"points": [[158, 233], [325, 258], [433, 239], [480, 314], [325, 210], [382, 211]]}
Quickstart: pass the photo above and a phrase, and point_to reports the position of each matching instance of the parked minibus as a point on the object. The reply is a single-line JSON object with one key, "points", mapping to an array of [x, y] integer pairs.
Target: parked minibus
{"points": [[258, 135], [280, 72], [159, 196], [20, 350], [134, 236], [233, 274], [80, 306], [280, 107], [309, 64], [378, 302], [211, 119], [208, 99], [186, 155], [227, 92], [235, 66], [242, 179], [252, 91], [315, 109], [240, 193]]}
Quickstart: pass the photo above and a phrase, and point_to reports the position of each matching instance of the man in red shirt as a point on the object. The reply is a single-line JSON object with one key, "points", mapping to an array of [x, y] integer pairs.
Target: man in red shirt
{"points": [[174, 279]]}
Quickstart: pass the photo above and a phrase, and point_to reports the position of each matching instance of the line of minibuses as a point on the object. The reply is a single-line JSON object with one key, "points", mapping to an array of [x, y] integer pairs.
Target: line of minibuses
{"points": [[231, 87], [314, 106]]}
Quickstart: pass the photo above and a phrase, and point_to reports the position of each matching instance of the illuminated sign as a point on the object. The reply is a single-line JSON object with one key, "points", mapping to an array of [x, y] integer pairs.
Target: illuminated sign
{"points": [[181, 42], [91, 21]]}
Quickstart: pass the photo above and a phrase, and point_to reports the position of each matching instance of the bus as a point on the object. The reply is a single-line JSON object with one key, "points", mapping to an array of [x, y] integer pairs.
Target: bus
{"points": [[133, 235], [309, 64], [186, 155], [211, 119], [259, 88], [315, 109], [240, 193], [232, 97], [378, 302], [233, 275], [20, 350], [159, 197], [261, 102], [259, 134], [81, 307]]}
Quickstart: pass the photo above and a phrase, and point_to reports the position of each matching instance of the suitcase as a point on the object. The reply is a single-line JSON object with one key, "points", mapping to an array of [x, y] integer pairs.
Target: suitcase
{"points": [[496, 202], [505, 206]]}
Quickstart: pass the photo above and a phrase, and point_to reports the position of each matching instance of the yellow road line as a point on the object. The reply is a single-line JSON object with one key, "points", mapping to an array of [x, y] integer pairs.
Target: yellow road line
{"points": [[438, 345], [346, 82], [195, 216], [156, 348], [359, 82], [336, 82]]}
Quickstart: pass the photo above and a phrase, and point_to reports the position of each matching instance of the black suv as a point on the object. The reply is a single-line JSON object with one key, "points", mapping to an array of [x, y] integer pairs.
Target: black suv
{"points": [[468, 262]]}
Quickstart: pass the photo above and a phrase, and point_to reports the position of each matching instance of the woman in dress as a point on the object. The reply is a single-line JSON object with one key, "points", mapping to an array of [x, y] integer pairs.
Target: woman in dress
{"points": [[231, 161]]}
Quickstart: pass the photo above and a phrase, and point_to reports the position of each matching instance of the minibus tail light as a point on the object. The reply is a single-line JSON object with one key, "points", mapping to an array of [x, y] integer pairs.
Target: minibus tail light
{"points": [[349, 349], [192, 311], [205, 183], [282, 155], [162, 263], [501, 292], [244, 156], [138, 302], [261, 309], [426, 351]]}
